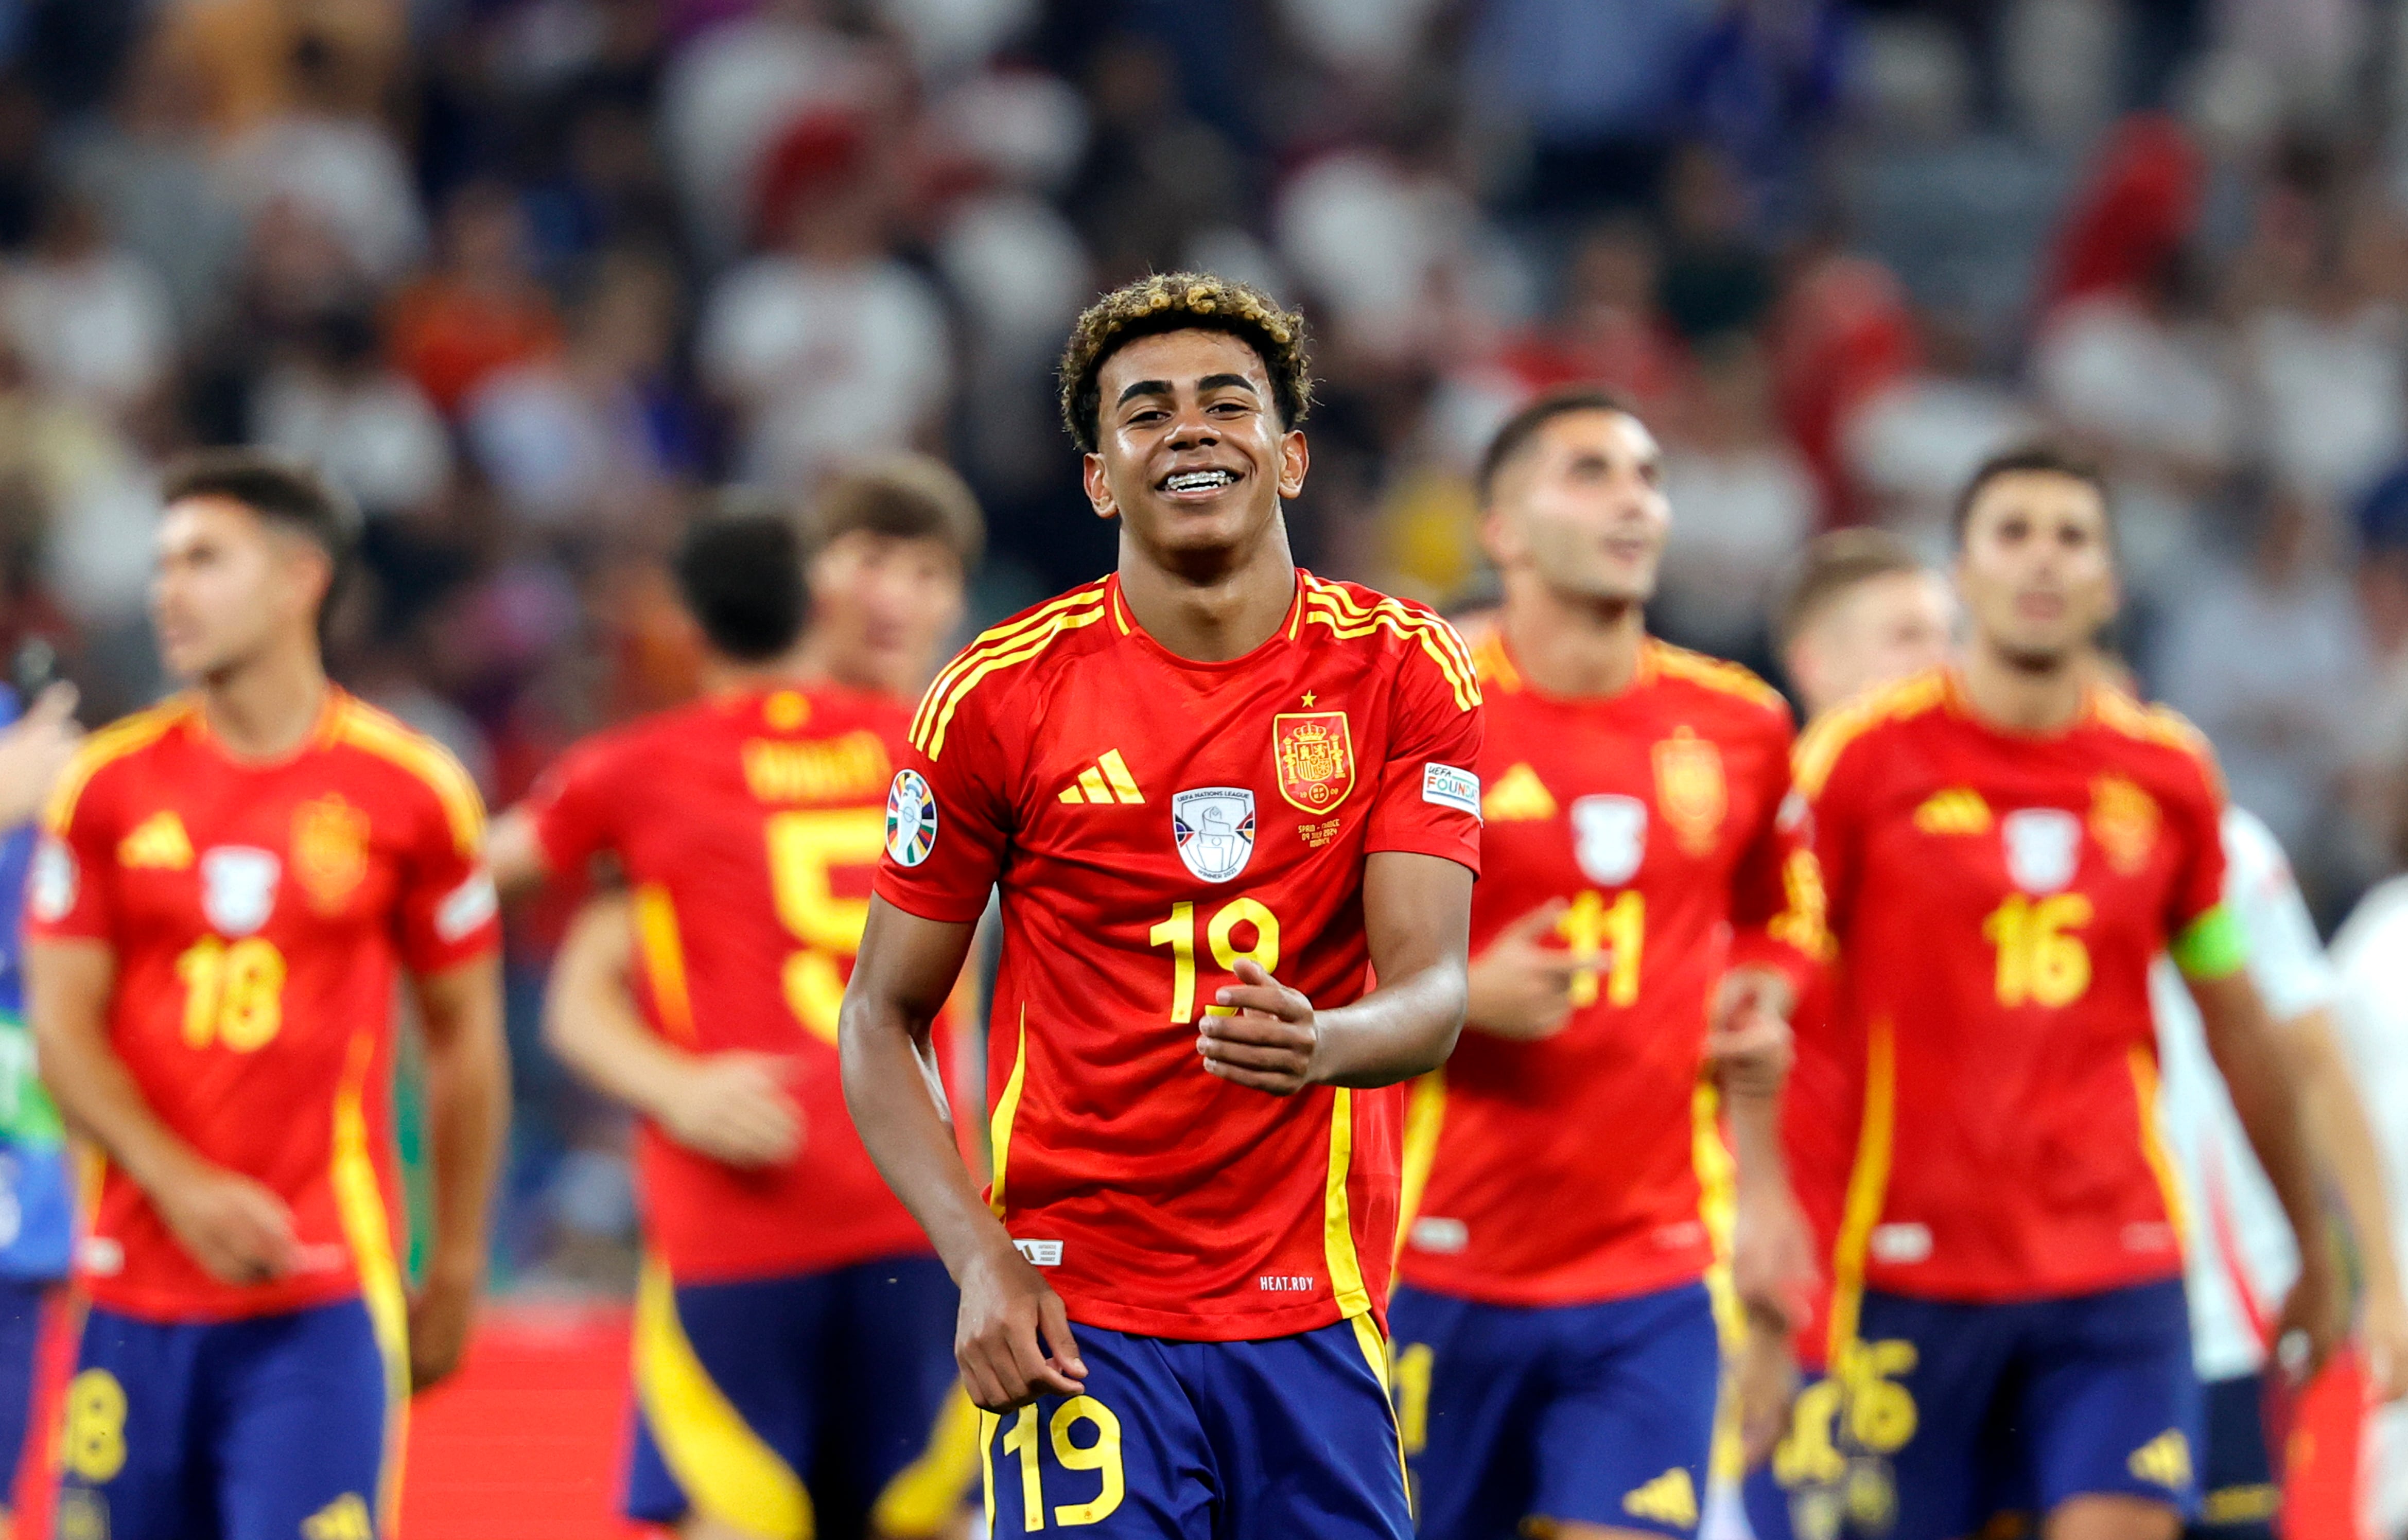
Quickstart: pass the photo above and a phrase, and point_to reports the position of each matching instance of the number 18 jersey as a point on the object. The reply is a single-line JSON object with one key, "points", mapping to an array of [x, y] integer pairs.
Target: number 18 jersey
{"points": [[1150, 821]]}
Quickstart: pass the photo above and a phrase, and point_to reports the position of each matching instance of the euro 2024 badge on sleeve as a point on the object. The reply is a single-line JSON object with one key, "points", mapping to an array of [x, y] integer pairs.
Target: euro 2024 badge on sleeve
{"points": [[911, 819], [1213, 827], [2043, 847], [238, 887]]}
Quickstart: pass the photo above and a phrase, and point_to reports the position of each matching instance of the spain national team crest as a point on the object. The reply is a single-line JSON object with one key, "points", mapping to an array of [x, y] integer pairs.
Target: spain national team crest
{"points": [[1689, 790], [2043, 847], [238, 887], [2124, 820], [330, 850], [1315, 758], [1214, 829]]}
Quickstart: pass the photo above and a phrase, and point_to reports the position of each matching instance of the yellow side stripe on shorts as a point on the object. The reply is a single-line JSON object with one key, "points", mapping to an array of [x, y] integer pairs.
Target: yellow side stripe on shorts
{"points": [[925, 1495], [727, 1472]]}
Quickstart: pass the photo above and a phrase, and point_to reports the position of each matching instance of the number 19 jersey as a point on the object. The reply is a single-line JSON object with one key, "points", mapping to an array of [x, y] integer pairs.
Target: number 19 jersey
{"points": [[1150, 821]]}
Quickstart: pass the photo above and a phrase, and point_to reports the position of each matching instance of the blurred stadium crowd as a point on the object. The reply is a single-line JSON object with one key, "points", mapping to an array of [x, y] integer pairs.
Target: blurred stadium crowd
{"points": [[534, 278]]}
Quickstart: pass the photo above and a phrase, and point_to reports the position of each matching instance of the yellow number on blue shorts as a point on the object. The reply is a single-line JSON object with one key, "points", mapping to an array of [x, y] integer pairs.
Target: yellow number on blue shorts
{"points": [[1103, 1457], [94, 1446]]}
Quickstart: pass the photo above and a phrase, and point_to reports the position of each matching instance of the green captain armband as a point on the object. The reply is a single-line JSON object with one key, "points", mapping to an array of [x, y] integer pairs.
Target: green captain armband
{"points": [[2214, 946]]}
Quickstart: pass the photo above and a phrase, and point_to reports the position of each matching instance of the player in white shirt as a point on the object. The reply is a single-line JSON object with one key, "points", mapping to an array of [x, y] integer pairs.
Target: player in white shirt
{"points": [[2370, 959], [2241, 1257]]}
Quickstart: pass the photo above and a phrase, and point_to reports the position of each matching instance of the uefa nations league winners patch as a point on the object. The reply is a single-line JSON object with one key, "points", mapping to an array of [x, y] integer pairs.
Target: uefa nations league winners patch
{"points": [[911, 819]]}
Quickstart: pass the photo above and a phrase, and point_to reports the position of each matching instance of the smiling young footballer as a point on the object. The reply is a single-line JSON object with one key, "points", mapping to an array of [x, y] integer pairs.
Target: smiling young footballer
{"points": [[1646, 909], [2008, 844], [230, 889], [1216, 793]]}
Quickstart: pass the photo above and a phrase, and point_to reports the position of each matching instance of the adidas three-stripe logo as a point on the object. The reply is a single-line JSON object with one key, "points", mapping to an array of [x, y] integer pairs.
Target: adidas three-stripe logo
{"points": [[1106, 781]]}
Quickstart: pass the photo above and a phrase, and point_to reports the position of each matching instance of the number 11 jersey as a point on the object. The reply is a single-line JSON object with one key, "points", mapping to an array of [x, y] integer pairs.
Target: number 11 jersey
{"points": [[1150, 821]]}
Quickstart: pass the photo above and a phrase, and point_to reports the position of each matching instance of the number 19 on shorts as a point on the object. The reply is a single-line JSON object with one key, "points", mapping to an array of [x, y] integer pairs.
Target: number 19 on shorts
{"points": [[1084, 1437]]}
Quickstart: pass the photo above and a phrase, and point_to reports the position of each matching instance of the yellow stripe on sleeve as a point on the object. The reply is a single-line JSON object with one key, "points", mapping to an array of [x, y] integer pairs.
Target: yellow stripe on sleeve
{"points": [[112, 743], [364, 727]]}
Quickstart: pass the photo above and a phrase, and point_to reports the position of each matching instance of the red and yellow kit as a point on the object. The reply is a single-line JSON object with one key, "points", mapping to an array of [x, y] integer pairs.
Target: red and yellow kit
{"points": [[1565, 1171], [1997, 900], [260, 914], [1151, 820], [749, 826]]}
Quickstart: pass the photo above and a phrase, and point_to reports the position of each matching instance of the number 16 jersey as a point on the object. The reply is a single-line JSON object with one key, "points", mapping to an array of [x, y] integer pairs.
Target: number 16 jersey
{"points": [[1151, 820]]}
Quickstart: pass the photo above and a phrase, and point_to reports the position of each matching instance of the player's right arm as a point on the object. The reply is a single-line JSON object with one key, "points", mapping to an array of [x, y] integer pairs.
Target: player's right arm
{"points": [[732, 1107], [1012, 1338], [233, 1226], [514, 851]]}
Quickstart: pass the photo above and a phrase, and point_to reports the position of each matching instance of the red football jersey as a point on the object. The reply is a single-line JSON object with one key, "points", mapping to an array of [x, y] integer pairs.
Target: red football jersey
{"points": [[1997, 900], [749, 826], [260, 914], [1565, 1171], [1151, 820]]}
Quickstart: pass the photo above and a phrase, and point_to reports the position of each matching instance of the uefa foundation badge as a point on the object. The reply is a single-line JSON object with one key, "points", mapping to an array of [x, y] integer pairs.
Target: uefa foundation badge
{"points": [[911, 819]]}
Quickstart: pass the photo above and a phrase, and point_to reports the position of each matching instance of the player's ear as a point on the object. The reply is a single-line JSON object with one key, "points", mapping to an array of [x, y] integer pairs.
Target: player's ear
{"points": [[1100, 488], [1500, 536], [1295, 459]]}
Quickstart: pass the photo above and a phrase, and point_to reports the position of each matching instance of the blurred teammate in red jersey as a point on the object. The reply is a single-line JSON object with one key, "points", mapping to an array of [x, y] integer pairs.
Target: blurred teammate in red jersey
{"points": [[1643, 900], [1861, 610], [229, 886], [783, 1276], [2008, 845], [1215, 792]]}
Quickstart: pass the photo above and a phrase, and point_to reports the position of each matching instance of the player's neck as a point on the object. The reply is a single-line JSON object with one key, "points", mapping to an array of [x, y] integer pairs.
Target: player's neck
{"points": [[797, 668], [265, 707], [2021, 698], [1572, 650], [1211, 613]]}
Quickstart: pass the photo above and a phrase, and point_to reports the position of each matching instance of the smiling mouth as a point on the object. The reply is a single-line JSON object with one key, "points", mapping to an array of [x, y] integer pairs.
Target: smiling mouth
{"points": [[1186, 481]]}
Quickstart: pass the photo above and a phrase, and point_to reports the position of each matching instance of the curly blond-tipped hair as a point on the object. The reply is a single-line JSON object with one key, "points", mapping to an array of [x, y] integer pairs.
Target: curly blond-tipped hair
{"points": [[1178, 302]]}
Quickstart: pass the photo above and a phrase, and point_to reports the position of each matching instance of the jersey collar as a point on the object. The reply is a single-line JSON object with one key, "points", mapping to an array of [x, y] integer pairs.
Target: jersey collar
{"points": [[1290, 628]]}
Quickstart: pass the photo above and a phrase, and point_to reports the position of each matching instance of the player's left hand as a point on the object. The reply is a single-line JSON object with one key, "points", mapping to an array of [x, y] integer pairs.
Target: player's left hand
{"points": [[1268, 1044], [2316, 1316], [1748, 1043], [439, 1314]]}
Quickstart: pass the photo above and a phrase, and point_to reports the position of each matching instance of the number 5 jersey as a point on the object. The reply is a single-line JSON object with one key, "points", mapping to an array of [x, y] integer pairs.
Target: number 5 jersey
{"points": [[1151, 820], [260, 914], [748, 826]]}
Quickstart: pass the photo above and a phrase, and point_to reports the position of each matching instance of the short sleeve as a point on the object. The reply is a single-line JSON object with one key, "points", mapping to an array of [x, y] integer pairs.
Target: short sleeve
{"points": [[1427, 797], [70, 889], [572, 806], [949, 818], [449, 911], [2286, 961]]}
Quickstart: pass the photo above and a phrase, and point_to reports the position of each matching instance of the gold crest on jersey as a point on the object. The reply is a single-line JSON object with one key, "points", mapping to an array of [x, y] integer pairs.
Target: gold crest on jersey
{"points": [[1689, 790], [330, 850], [2124, 820], [1315, 758]]}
